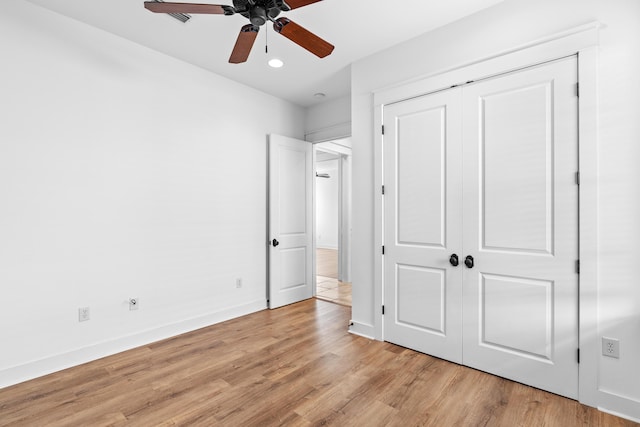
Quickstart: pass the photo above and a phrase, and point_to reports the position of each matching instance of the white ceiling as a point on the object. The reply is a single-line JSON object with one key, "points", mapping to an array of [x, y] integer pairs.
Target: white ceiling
{"points": [[358, 28]]}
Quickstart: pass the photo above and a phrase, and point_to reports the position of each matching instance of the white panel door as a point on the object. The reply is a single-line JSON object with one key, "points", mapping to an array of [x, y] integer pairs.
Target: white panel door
{"points": [[422, 176], [521, 226], [290, 221]]}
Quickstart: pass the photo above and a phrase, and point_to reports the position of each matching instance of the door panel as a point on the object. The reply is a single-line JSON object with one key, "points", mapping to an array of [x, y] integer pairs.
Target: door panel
{"points": [[421, 177], [517, 168], [290, 219], [292, 163], [520, 226], [293, 268], [421, 298], [422, 173], [517, 315]]}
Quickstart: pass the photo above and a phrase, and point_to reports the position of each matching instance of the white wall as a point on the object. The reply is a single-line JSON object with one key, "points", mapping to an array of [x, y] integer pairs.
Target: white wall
{"points": [[329, 120], [123, 173], [506, 26], [327, 198]]}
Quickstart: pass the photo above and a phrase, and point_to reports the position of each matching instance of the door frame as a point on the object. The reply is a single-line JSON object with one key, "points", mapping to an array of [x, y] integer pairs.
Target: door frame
{"points": [[583, 41]]}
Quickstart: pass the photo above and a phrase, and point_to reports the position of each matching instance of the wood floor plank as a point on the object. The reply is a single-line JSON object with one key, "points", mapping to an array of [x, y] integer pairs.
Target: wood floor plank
{"points": [[294, 366]]}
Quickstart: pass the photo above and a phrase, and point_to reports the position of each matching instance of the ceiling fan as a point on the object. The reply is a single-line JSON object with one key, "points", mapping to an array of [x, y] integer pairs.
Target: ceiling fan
{"points": [[258, 12]]}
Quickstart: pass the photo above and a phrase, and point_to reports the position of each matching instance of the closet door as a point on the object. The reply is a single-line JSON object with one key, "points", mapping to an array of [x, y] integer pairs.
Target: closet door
{"points": [[521, 226], [422, 217]]}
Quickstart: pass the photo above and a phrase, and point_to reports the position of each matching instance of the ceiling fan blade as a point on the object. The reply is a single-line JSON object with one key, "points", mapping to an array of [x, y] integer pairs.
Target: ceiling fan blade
{"points": [[244, 43], [294, 4], [170, 7], [303, 37]]}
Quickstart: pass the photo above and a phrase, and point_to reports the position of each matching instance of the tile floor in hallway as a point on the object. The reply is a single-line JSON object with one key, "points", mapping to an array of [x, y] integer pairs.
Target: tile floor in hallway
{"points": [[332, 290]]}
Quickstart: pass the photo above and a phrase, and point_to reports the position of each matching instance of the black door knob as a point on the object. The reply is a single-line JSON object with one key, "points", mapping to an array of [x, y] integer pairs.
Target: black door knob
{"points": [[275, 243], [453, 260], [468, 261]]}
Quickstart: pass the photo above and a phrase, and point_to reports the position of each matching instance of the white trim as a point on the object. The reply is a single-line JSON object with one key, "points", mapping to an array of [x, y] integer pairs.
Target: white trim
{"points": [[314, 237], [345, 221], [378, 222], [338, 146], [584, 41], [588, 232], [362, 330], [619, 414], [58, 362], [329, 133], [549, 48]]}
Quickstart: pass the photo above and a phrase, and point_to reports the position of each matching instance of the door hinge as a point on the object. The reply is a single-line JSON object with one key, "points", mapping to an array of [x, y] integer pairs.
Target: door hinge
{"points": [[578, 266], [383, 129], [577, 178], [578, 90], [578, 352], [383, 190], [383, 309], [382, 249]]}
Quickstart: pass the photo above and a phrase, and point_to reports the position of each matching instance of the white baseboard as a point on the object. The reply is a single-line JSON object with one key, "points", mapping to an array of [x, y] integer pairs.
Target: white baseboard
{"points": [[619, 414], [619, 405], [55, 363], [362, 329]]}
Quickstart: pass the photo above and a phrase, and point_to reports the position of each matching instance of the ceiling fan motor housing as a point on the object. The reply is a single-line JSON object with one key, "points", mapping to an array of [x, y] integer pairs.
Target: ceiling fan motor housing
{"points": [[258, 16], [259, 11]]}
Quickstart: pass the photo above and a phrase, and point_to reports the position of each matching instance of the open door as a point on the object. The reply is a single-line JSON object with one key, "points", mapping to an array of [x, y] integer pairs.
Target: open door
{"points": [[290, 221]]}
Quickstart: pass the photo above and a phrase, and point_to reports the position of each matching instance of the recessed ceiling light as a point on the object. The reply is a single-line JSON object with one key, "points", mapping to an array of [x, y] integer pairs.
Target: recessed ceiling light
{"points": [[319, 95], [275, 63]]}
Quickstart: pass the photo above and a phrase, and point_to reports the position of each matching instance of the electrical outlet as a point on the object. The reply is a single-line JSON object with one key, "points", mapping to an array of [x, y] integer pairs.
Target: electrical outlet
{"points": [[83, 314], [239, 283], [134, 303], [611, 347]]}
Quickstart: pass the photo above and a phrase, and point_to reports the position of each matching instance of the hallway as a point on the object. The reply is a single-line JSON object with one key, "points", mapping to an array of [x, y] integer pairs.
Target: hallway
{"points": [[329, 288]]}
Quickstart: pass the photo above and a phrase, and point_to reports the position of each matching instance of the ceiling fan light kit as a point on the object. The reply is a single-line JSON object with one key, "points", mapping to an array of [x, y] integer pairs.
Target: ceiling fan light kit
{"points": [[258, 12], [275, 63]]}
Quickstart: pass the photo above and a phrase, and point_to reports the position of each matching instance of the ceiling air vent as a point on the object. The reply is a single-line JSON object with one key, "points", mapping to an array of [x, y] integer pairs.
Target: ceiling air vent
{"points": [[182, 17]]}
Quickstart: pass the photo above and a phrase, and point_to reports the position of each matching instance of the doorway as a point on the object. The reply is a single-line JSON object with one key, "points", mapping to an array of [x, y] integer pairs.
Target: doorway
{"points": [[332, 231]]}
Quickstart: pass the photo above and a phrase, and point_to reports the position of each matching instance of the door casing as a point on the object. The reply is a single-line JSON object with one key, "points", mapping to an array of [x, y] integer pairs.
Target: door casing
{"points": [[583, 41]]}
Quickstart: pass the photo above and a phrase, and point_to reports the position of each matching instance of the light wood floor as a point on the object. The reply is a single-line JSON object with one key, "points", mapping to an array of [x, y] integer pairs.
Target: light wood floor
{"points": [[295, 366]]}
